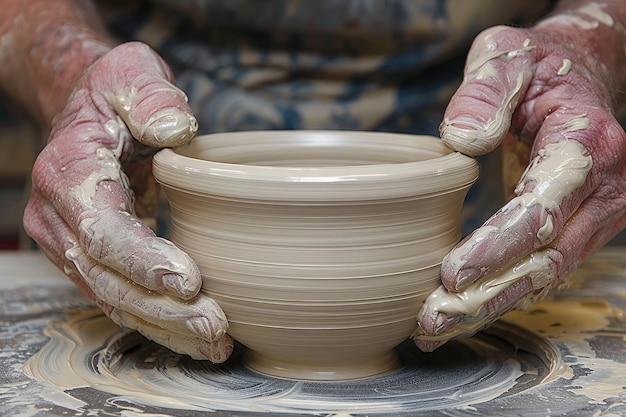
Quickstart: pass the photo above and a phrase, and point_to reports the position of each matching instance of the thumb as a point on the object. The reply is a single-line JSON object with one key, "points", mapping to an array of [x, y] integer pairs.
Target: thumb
{"points": [[144, 96], [496, 75]]}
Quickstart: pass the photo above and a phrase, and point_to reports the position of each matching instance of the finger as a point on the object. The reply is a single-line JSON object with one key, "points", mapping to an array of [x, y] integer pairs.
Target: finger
{"points": [[595, 222], [54, 237], [154, 109], [448, 315], [119, 240], [592, 222], [497, 73], [52, 234], [114, 236], [548, 194], [216, 351], [86, 186], [201, 317]]}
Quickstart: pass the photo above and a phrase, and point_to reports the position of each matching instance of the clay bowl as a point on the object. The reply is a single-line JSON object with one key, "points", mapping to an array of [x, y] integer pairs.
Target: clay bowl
{"points": [[320, 246]]}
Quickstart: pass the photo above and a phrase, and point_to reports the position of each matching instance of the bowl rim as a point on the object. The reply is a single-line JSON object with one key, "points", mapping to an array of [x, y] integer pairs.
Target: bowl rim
{"points": [[450, 170]]}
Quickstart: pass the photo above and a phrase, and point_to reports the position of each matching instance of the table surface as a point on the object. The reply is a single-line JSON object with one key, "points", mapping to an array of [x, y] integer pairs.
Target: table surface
{"points": [[566, 355]]}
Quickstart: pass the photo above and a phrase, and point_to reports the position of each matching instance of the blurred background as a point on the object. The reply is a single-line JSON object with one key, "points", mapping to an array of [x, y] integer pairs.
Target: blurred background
{"points": [[20, 142]]}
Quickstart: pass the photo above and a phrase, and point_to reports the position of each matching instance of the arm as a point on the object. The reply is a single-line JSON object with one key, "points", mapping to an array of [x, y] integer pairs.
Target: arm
{"points": [[46, 46], [108, 108], [553, 89]]}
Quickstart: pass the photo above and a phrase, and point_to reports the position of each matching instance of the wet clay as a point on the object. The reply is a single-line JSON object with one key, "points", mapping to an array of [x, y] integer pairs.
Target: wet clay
{"points": [[169, 126], [469, 136], [135, 371], [319, 246], [559, 169]]}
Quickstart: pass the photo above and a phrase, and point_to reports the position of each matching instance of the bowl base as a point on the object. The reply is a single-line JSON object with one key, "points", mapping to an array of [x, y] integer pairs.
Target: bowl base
{"points": [[365, 368]]}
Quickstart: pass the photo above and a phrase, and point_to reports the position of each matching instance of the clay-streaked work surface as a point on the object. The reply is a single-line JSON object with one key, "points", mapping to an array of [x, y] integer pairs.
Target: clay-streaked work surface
{"points": [[566, 356]]}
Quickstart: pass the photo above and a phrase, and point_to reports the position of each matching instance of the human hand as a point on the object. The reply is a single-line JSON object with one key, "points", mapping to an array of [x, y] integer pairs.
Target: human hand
{"points": [[82, 207], [553, 89]]}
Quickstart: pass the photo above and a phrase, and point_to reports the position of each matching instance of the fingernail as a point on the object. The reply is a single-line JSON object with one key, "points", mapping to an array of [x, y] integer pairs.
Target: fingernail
{"points": [[468, 135], [177, 285], [466, 276], [202, 327], [220, 350], [170, 127], [427, 345]]}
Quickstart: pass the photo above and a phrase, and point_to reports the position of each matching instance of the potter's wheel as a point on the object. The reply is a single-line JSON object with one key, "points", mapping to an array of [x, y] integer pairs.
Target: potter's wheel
{"points": [[504, 361], [565, 357]]}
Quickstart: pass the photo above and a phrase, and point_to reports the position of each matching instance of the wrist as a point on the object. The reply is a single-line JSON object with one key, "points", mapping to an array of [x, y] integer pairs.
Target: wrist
{"points": [[60, 56], [47, 46]]}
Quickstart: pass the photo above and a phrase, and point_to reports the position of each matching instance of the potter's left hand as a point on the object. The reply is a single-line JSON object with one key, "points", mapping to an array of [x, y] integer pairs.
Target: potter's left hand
{"points": [[552, 89]]}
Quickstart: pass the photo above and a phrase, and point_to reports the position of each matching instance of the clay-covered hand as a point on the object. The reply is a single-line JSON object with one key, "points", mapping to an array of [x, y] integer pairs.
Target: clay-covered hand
{"points": [[553, 90], [82, 207]]}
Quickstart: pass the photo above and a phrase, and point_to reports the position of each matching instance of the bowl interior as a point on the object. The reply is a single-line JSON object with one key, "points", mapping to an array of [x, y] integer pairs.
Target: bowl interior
{"points": [[314, 166], [313, 149]]}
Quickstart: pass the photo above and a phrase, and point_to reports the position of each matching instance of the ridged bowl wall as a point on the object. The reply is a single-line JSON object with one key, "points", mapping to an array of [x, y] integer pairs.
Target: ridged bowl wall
{"points": [[320, 246]]}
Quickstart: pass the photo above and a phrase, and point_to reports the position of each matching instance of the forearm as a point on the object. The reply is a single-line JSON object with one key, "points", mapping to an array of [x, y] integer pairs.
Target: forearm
{"points": [[45, 46], [597, 31]]}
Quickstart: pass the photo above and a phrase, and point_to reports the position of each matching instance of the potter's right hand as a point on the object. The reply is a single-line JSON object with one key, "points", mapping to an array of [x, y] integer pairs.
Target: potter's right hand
{"points": [[82, 213]]}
